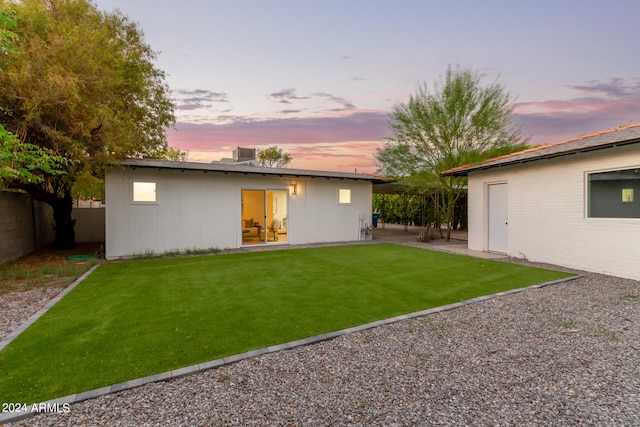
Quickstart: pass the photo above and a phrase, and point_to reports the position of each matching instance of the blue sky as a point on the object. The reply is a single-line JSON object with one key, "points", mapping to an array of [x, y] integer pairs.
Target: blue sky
{"points": [[319, 78]]}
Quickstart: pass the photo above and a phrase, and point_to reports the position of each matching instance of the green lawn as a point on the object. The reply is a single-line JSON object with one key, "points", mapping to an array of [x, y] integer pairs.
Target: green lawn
{"points": [[138, 318]]}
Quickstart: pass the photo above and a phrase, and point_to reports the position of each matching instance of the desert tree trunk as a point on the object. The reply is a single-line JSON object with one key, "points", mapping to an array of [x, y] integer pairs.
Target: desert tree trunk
{"points": [[65, 237]]}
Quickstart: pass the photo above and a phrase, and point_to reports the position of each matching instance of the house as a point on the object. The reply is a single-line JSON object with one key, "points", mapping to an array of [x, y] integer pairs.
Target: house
{"points": [[575, 203], [157, 206]]}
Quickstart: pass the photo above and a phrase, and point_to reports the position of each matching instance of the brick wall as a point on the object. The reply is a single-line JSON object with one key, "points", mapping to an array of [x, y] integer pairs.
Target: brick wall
{"points": [[25, 225], [547, 214]]}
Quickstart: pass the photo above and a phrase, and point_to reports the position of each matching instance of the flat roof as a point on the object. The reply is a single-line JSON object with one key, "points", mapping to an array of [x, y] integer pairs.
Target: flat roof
{"points": [[246, 169], [596, 141]]}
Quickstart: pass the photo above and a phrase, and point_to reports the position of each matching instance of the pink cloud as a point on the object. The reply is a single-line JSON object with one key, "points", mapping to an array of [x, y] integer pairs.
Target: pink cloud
{"points": [[348, 140], [360, 126], [602, 105], [576, 105], [345, 156], [340, 143]]}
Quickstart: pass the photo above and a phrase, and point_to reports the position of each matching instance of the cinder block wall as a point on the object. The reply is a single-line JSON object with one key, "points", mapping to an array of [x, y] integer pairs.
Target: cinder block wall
{"points": [[25, 225]]}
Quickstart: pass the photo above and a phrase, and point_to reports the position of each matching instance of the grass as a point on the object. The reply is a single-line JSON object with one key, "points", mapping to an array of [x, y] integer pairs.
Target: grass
{"points": [[630, 297], [569, 326], [561, 322], [133, 319], [176, 252]]}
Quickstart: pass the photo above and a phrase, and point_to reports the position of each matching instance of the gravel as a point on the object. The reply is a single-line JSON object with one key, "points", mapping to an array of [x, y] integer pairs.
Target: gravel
{"points": [[17, 307], [565, 354]]}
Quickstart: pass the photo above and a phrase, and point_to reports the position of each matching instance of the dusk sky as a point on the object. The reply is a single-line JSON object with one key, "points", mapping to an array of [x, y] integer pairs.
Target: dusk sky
{"points": [[319, 78]]}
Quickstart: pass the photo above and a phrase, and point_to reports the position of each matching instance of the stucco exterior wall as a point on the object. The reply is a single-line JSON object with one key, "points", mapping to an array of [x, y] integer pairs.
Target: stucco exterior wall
{"points": [[547, 211], [198, 210]]}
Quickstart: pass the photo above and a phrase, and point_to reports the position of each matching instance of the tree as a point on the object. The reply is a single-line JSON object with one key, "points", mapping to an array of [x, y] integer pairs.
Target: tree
{"points": [[78, 86], [7, 25], [398, 208], [273, 157], [457, 123], [20, 162], [26, 162]]}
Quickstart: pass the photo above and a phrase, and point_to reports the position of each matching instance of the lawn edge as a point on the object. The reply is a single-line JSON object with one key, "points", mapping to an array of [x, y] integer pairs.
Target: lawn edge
{"points": [[31, 320], [57, 405]]}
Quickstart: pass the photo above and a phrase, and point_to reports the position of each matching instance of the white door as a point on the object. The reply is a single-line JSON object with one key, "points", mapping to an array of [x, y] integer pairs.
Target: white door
{"points": [[498, 218]]}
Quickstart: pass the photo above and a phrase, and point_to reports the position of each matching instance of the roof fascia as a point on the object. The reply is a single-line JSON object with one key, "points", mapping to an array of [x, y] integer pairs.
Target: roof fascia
{"points": [[465, 171]]}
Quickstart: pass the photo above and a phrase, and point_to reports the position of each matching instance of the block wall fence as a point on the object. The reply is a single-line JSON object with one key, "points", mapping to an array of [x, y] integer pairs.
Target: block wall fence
{"points": [[27, 225]]}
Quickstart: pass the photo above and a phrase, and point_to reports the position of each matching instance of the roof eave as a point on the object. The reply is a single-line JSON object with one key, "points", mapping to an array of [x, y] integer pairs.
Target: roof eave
{"points": [[246, 170], [481, 167]]}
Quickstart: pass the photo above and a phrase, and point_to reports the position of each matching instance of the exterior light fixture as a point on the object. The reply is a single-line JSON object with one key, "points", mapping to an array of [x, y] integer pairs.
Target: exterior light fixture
{"points": [[294, 189]]}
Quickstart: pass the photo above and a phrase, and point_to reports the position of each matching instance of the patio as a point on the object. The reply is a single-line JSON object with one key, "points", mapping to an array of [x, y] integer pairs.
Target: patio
{"points": [[457, 245]]}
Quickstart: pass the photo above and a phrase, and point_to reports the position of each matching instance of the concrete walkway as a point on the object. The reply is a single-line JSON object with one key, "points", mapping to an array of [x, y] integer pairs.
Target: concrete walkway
{"points": [[399, 232], [391, 233], [395, 233]]}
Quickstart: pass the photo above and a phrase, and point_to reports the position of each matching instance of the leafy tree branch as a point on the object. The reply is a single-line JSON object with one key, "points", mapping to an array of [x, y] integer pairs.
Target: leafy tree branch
{"points": [[460, 121], [79, 90], [273, 157]]}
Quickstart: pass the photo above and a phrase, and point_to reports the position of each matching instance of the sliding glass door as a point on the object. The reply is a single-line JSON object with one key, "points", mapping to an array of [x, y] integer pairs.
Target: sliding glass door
{"points": [[264, 216]]}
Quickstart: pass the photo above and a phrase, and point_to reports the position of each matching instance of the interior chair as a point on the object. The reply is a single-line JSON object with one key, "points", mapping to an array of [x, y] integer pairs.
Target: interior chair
{"points": [[274, 227]]}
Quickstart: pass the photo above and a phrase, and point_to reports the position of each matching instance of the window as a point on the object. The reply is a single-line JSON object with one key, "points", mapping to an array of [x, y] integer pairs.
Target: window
{"points": [[612, 194], [344, 196], [144, 192]]}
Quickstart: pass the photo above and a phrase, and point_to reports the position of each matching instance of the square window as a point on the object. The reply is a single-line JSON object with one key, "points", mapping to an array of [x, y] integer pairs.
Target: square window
{"points": [[144, 192], [611, 194], [344, 196]]}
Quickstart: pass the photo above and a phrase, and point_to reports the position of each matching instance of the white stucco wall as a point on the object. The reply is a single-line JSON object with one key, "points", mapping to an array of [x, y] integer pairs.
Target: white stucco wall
{"points": [[203, 210], [547, 209]]}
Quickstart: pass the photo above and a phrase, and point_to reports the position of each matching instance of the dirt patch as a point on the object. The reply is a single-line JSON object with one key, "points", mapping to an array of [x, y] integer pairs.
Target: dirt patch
{"points": [[47, 267]]}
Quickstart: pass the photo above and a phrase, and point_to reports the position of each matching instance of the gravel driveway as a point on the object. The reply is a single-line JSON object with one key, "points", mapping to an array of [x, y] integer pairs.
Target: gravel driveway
{"points": [[563, 355]]}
